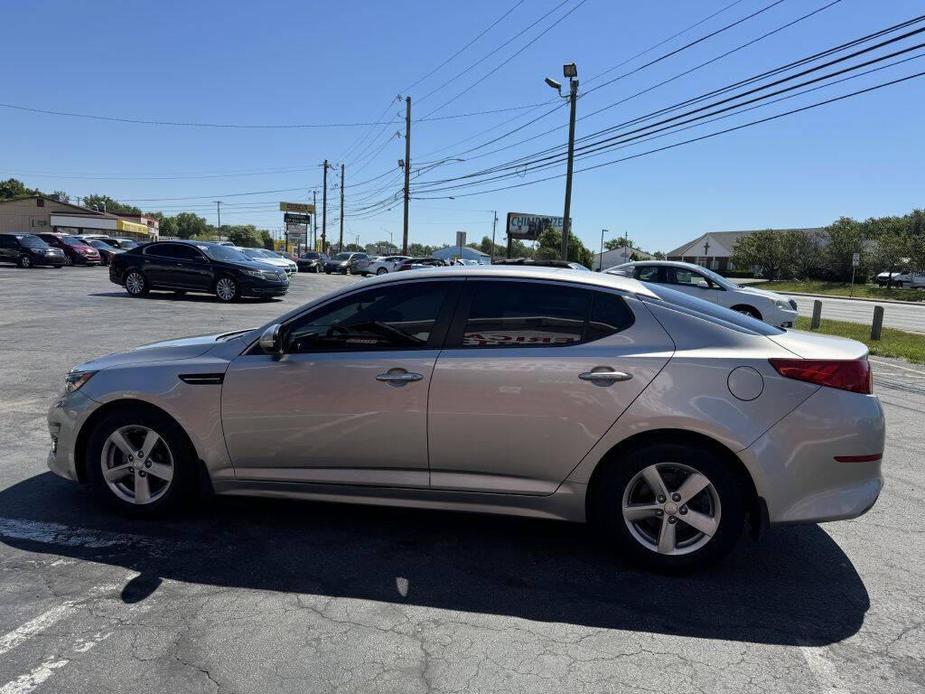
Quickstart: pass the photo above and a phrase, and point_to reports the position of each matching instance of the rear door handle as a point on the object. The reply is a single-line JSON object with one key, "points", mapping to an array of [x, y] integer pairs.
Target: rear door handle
{"points": [[398, 377], [604, 377]]}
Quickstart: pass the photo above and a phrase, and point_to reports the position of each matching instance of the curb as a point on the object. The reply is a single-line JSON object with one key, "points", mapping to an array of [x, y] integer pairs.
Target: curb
{"points": [[920, 304]]}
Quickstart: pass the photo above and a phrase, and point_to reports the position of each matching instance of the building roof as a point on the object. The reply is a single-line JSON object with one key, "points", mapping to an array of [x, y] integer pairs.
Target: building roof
{"points": [[728, 239], [468, 252], [77, 208]]}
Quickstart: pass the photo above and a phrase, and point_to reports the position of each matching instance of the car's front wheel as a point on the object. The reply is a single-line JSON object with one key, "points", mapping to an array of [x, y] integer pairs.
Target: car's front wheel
{"points": [[136, 284], [381, 271], [670, 506], [140, 462], [25, 261], [226, 289]]}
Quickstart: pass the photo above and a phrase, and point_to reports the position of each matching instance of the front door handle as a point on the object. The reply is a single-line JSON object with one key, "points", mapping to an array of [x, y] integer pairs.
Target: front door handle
{"points": [[604, 378], [398, 377]]}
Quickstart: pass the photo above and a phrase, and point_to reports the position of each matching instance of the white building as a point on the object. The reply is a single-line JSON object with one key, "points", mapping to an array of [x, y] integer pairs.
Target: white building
{"points": [[618, 256]]}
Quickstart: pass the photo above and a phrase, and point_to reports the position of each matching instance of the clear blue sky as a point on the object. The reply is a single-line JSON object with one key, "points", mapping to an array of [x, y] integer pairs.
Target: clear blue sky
{"points": [[298, 62]]}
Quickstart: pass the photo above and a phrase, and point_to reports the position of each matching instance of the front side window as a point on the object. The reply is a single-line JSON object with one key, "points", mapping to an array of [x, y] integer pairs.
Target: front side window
{"points": [[688, 278], [525, 314], [30, 241], [647, 273], [395, 317]]}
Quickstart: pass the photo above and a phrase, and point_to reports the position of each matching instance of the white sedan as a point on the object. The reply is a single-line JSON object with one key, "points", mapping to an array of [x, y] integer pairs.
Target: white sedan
{"points": [[265, 256], [705, 284], [385, 264]]}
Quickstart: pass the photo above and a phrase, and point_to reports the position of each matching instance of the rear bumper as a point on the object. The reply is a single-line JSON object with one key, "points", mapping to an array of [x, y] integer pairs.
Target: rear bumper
{"points": [[793, 464]]}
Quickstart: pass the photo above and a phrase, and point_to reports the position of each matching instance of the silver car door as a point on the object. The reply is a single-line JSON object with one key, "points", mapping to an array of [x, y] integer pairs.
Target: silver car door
{"points": [[532, 377], [347, 402]]}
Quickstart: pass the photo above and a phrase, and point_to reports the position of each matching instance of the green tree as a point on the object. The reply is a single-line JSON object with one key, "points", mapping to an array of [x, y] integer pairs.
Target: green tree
{"points": [[418, 250], [658, 255], [550, 247], [105, 202], [242, 235], [802, 251], [845, 238], [764, 250], [266, 239], [60, 196], [189, 225], [14, 188]]}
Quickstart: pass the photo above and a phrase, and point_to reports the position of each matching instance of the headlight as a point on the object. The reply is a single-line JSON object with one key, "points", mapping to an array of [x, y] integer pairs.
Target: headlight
{"points": [[262, 274], [76, 379]]}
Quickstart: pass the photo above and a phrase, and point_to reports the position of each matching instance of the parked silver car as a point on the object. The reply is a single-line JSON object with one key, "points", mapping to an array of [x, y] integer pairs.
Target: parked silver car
{"points": [[550, 393]]}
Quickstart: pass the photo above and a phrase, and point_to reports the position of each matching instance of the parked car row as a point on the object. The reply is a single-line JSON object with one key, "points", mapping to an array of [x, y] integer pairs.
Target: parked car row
{"points": [[55, 249]]}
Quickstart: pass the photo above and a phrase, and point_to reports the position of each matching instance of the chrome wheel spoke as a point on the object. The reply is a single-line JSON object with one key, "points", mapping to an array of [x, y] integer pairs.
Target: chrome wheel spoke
{"points": [[654, 479], [640, 511], [666, 537], [700, 521], [161, 471], [142, 489], [118, 472], [692, 486]]}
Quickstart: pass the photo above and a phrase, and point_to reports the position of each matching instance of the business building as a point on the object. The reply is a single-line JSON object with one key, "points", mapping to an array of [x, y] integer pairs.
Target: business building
{"points": [[38, 213], [714, 249], [619, 255]]}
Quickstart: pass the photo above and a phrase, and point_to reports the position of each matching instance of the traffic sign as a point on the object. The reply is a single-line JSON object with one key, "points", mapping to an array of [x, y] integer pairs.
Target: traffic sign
{"points": [[855, 260]]}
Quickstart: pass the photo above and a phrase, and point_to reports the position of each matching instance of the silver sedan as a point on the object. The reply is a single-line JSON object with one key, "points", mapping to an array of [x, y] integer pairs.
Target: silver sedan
{"points": [[668, 421]]}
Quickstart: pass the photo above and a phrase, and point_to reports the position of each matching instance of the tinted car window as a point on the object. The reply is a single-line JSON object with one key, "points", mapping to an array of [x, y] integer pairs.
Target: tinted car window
{"points": [[687, 278], [647, 273], [609, 315], [7, 241], [30, 241], [525, 314], [383, 318]]}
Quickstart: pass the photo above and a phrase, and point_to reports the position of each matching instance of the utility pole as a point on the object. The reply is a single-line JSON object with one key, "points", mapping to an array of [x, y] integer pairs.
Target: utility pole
{"points": [[566, 226], [404, 242], [218, 209], [600, 264], [494, 226], [314, 220], [324, 208], [341, 208]]}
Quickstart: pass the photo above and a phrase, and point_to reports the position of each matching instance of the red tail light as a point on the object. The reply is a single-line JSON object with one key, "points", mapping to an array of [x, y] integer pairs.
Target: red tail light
{"points": [[851, 374]]}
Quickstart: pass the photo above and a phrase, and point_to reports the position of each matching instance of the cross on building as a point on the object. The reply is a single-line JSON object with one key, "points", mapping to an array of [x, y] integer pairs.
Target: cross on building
{"points": [[706, 249]]}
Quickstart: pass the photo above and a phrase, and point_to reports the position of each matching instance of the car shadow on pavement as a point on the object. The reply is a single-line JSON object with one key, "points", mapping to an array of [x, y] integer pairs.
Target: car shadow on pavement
{"points": [[189, 298], [794, 587]]}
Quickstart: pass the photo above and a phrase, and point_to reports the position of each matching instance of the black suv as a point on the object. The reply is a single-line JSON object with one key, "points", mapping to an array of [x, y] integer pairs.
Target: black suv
{"points": [[27, 250], [311, 261], [187, 266]]}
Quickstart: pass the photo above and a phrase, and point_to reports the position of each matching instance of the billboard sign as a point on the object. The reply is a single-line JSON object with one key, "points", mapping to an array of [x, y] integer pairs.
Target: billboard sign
{"points": [[528, 227], [295, 218], [303, 207]]}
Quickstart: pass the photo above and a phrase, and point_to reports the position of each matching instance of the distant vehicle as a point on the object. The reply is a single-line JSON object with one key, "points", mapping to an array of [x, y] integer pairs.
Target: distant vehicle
{"points": [[385, 263], [265, 256], [343, 263], [123, 244], [420, 264], [28, 250], [904, 278], [311, 261], [105, 250], [186, 266], [705, 284], [361, 266], [76, 251]]}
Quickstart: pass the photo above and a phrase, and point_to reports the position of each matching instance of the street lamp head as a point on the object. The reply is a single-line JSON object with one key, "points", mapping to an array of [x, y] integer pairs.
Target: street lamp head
{"points": [[570, 70], [552, 83]]}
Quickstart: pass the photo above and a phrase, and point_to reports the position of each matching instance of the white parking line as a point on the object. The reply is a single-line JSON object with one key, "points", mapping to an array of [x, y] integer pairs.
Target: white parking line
{"points": [[35, 626], [37, 676], [822, 668]]}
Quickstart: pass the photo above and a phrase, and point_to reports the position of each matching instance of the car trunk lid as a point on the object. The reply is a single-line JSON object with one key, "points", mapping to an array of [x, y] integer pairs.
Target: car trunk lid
{"points": [[813, 346]]}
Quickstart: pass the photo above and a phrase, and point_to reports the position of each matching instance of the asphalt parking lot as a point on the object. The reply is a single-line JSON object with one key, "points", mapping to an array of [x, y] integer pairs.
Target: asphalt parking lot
{"points": [[247, 595]]}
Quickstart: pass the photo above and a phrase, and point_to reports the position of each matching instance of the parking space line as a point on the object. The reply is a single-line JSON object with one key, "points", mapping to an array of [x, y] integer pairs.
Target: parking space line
{"points": [[10, 640], [29, 681], [822, 668], [896, 366]]}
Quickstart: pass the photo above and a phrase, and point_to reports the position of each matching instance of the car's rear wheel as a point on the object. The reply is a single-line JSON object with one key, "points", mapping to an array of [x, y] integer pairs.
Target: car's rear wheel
{"points": [[381, 271], [140, 462], [25, 261], [226, 289], [670, 506], [136, 284], [68, 260]]}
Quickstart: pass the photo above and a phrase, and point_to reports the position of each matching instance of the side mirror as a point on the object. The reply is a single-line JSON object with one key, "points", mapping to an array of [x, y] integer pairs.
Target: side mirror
{"points": [[271, 341]]}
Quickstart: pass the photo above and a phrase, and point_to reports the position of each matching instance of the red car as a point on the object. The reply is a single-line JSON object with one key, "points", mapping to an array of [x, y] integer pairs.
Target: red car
{"points": [[76, 251]]}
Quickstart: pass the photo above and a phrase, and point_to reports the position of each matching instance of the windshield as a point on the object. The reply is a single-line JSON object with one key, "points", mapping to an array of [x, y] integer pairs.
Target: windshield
{"points": [[309, 256], [712, 312], [256, 253], [102, 244], [31, 241], [229, 253], [127, 245], [74, 241], [719, 279], [342, 256]]}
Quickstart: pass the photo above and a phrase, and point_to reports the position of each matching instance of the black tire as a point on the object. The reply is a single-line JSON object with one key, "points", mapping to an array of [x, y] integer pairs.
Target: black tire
{"points": [[899, 285], [24, 261], [675, 461], [136, 284], [68, 260], [748, 311], [381, 271], [226, 289], [180, 453]]}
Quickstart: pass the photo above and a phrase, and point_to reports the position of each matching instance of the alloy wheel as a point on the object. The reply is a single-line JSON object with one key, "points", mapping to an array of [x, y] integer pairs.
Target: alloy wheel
{"points": [[137, 464], [25, 261], [381, 271], [226, 289], [671, 508], [135, 283]]}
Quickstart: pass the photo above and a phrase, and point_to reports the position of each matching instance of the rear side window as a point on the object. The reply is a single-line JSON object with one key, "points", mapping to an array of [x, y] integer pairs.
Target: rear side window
{"points": [[532, 314]]}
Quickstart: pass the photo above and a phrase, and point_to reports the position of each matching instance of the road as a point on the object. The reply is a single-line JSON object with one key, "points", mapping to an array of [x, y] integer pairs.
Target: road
{"points": [[245, 595], [904, 317]]}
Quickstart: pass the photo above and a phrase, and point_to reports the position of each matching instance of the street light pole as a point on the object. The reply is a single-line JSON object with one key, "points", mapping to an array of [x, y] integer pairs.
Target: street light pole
{"points": [[569, 70], [314, 220], [600, 263], [494, 226], [218, 210]]}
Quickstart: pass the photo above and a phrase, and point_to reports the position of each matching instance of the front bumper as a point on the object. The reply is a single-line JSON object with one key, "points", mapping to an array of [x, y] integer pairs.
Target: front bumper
{"points": [[265, 289], [793, 464], [65, 418], [48, 260]]}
